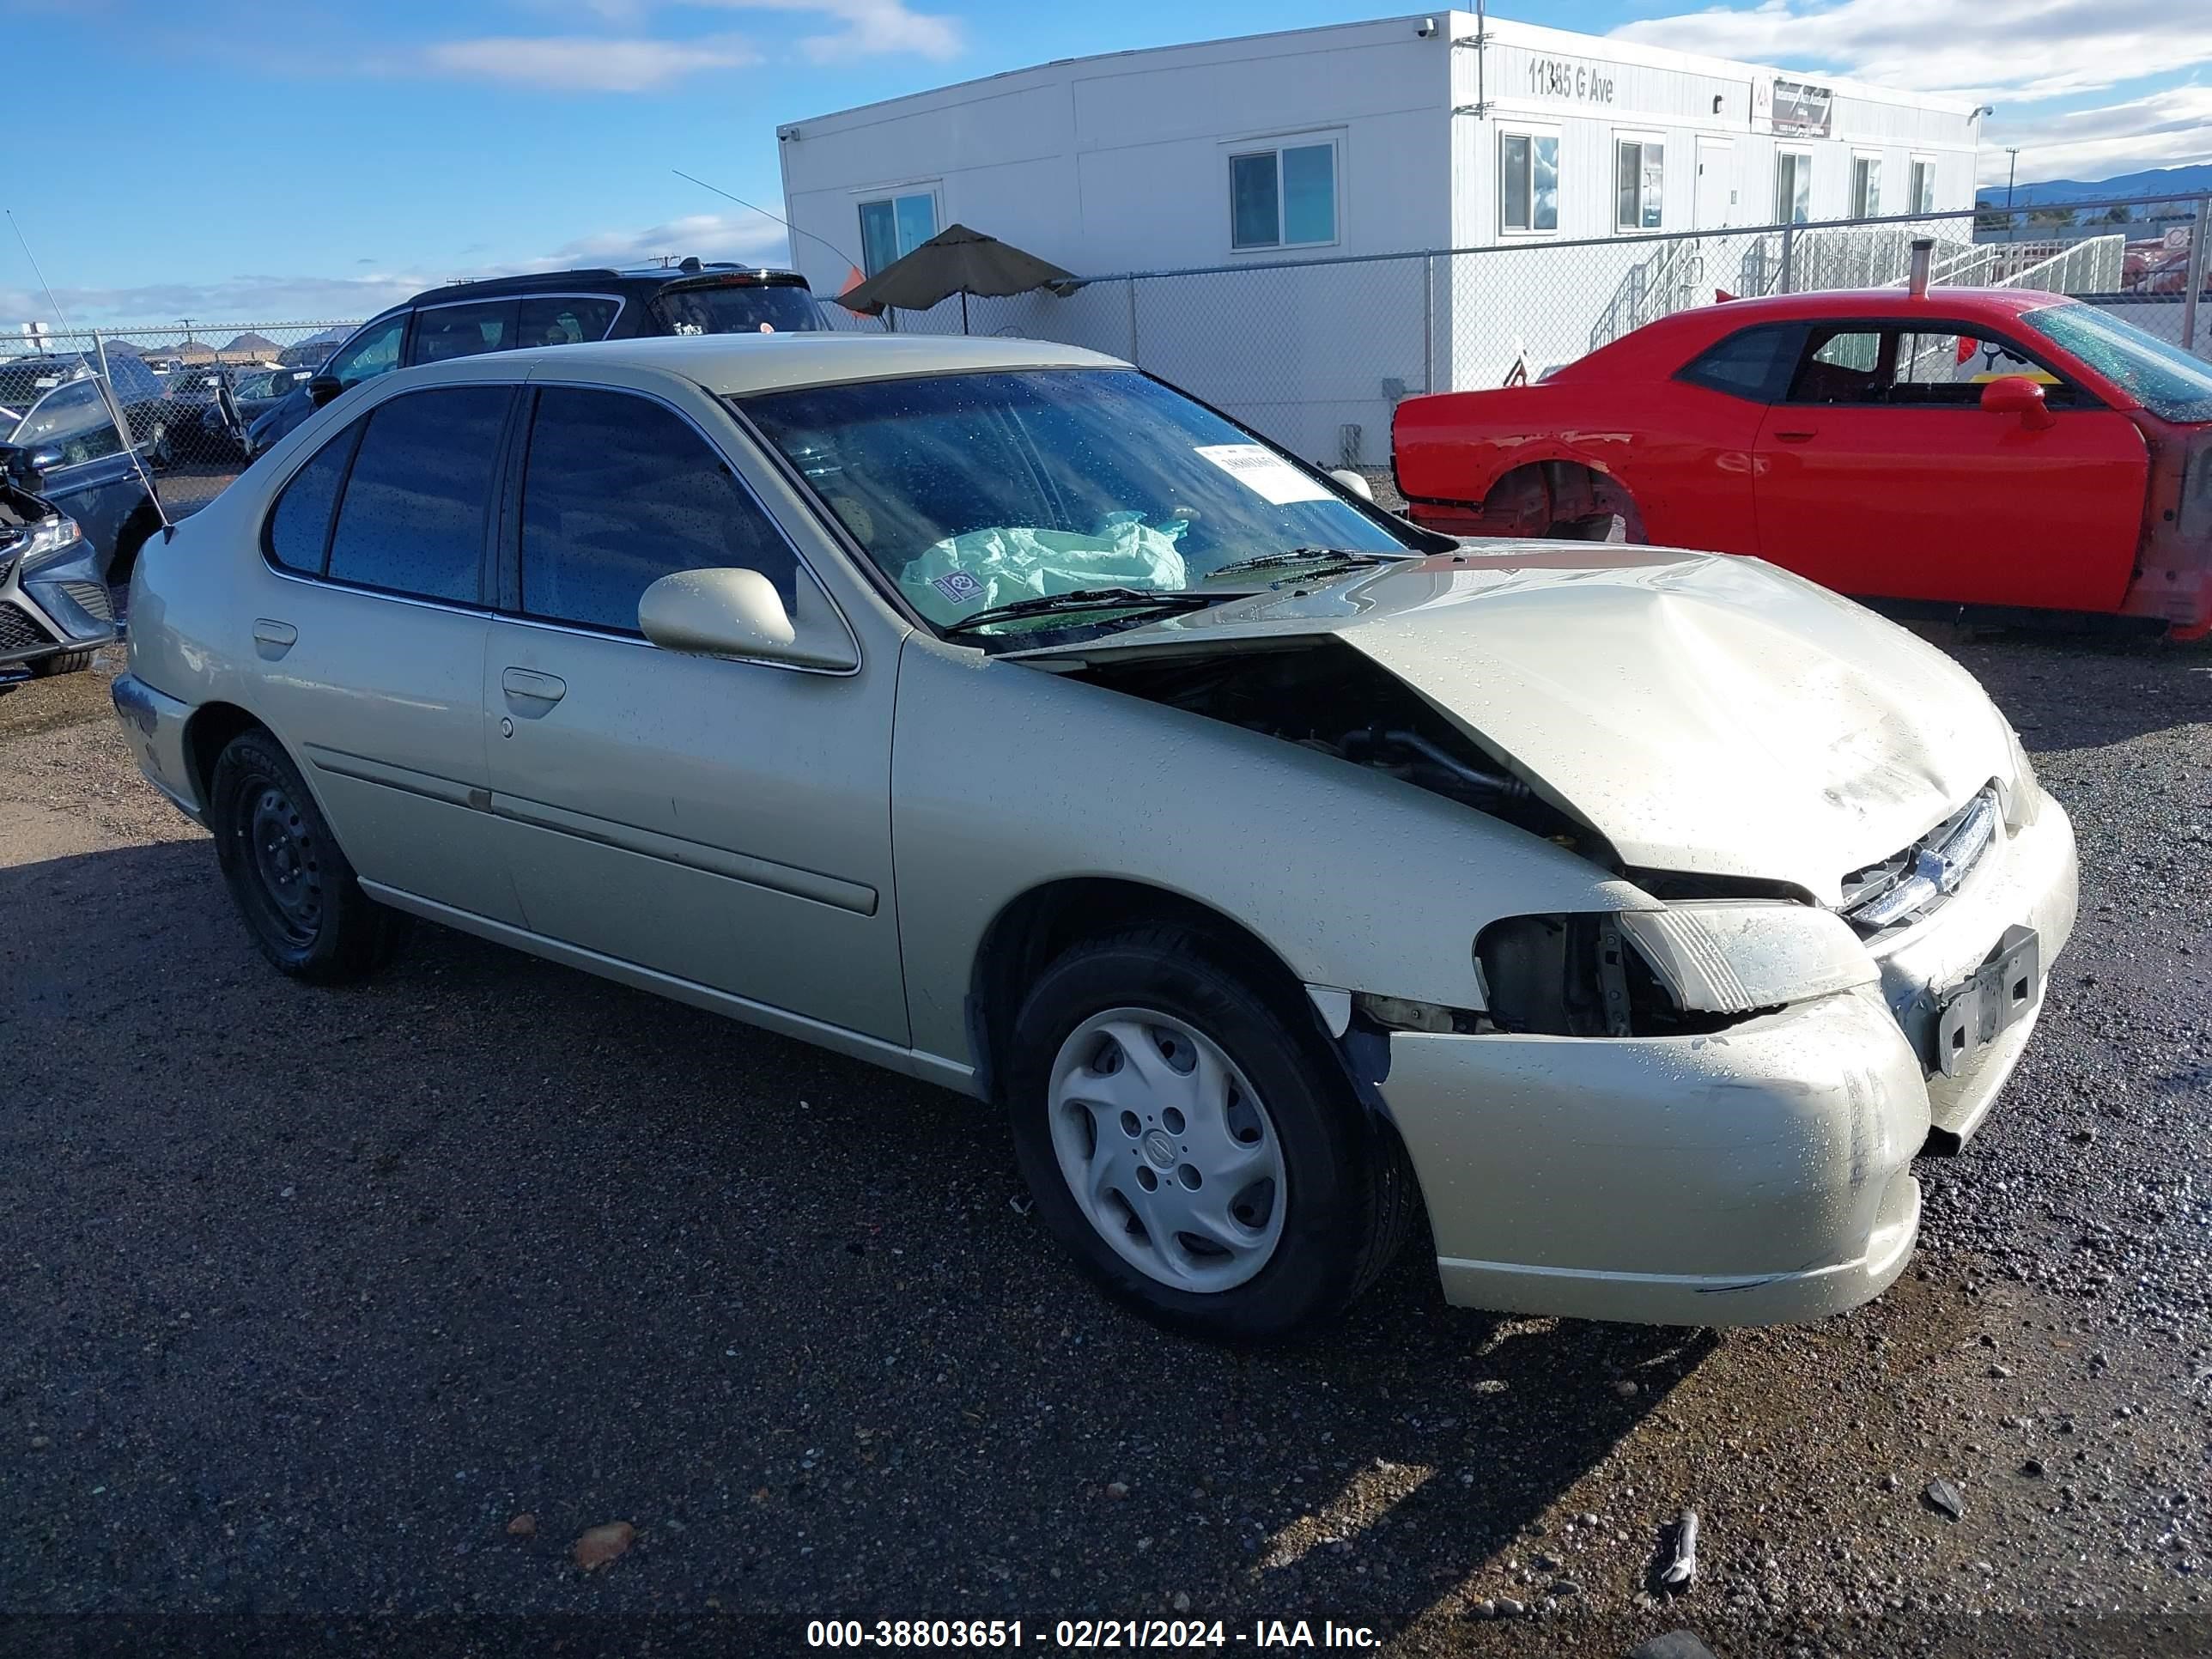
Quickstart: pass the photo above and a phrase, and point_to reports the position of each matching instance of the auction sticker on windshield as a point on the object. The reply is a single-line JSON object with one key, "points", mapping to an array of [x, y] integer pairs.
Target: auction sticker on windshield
{"points": [[1264, 473]]}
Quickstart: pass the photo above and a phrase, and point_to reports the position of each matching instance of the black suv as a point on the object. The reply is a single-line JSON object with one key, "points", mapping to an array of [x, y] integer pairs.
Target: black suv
{"points": [[556, 307]]}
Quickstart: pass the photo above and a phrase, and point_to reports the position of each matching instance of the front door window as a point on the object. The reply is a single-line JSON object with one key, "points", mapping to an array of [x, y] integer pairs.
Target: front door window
{"points": [[370, 353]]}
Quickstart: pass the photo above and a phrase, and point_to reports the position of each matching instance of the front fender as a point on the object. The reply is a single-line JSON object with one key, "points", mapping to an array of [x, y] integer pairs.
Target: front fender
{"points": [[1005, 778]]}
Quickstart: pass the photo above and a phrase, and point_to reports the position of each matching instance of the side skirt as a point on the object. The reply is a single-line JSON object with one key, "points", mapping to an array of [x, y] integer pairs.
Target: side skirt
{"points": [[909, 1062]]}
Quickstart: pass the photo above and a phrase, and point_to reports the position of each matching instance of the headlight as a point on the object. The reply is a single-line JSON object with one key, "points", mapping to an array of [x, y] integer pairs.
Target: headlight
{"points": [[1693, 967], [1731, 956], [55, 539]]}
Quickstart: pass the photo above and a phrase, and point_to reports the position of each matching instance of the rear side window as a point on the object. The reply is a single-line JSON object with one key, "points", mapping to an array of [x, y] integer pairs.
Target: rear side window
{"points": [[620, 491], [1747, 364], [300, 525], [565, 321], [413, 517], [445, 332]]}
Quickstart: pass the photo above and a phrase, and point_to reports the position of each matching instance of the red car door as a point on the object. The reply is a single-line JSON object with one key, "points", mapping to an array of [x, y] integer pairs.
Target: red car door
{"points": [[1879, 474]]}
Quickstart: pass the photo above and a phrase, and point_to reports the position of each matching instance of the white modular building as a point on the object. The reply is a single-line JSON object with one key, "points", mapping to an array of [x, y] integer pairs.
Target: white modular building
{"points": [[1431, 131]]}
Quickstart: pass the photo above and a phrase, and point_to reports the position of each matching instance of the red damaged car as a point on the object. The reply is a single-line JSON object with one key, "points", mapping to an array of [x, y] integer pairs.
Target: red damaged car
{"points": [[1978, 446]]}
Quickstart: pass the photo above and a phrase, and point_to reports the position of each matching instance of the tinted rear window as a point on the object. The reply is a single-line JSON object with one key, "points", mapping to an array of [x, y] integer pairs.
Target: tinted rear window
{"points": [[737, 308], [413, 518]]}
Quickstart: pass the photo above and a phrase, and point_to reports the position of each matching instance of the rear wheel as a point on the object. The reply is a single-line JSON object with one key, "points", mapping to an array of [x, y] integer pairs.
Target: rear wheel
{"points": [[293, 886], [1192, 1144], [68, 662]]}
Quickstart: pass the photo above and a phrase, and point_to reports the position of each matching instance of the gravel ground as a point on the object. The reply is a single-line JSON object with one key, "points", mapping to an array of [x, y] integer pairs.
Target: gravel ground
{"points": [[309, 1294]]}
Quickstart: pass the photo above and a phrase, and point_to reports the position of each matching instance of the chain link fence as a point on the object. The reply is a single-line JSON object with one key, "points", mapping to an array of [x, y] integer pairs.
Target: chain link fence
{"points": [[1317, 353], [184, 400]]}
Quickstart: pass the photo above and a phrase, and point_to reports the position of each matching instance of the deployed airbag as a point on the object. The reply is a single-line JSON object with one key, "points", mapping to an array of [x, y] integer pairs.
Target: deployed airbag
{"points": [[965, 574]]}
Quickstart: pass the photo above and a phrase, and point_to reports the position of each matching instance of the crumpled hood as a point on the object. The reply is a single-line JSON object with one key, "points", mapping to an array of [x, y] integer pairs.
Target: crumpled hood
{"points": [[1704, 713]]}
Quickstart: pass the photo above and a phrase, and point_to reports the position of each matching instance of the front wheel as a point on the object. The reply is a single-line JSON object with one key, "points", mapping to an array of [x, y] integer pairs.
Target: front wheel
{"points": [[1191, 1142], [66, 662], [292, 885]]}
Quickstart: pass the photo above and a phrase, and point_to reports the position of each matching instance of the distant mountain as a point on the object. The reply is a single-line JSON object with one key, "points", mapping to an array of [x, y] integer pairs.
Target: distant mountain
{"points": [[251, 345], [2157, 181]]}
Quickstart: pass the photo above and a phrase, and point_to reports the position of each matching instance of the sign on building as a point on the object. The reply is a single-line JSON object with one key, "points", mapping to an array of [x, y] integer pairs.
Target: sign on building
{"points": [[1801, 110]]}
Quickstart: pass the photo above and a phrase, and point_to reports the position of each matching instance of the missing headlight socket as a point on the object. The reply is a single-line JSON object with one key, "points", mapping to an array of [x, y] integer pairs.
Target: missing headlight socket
{"points": [[1578, 975]]}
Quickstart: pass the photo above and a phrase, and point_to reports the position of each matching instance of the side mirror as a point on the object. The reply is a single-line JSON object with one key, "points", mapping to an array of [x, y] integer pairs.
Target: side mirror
{"points": [[321, 388], [1355, 482], [2017, 394], [734, 612]]}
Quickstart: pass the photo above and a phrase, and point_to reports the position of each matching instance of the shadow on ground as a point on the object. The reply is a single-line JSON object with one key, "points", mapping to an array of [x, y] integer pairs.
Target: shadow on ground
{"points": [[312, 1291]]}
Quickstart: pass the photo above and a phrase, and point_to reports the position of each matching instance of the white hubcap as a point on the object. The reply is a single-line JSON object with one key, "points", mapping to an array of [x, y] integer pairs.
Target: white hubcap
{"points": [[1167, 1150]]}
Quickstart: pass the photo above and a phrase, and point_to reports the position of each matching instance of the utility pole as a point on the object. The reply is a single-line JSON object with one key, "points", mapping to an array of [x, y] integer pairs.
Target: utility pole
{"points": [[2012, 171]]}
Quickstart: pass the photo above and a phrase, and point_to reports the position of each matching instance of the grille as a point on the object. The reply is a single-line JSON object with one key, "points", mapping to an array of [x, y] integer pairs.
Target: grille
{"points": [[18, 632], [91, 598], [1909, 883]]}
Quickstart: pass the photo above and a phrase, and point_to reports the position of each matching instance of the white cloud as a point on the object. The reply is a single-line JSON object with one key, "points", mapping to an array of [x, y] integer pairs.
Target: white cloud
{"points": [[585, 63], [862, 27], [753, 237], [2164, 129], [2020, 49], [868, 26]]}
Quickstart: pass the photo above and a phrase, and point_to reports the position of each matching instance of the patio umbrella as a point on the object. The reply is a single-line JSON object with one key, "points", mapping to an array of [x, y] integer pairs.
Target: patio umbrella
{"points": [[957, 260]]}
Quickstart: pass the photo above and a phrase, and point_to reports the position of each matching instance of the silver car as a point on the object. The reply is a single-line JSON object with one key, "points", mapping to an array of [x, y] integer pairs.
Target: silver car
{"points": [[991, 711]]}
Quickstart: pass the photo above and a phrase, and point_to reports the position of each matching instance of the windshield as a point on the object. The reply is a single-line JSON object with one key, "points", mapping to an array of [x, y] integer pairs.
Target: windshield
{"points": [[2164, 378], [976, 490], [72, 420], [732, 307], [27, 379]]}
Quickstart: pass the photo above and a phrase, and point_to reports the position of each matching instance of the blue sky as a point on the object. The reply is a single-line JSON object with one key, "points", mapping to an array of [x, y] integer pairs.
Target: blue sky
{"points": [[261, 162]]}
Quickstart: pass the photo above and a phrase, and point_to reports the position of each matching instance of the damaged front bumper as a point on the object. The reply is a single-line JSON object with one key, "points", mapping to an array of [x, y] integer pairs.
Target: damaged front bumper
{"points": [[1758, 1175], [2029, 882], [1755, 1175]]}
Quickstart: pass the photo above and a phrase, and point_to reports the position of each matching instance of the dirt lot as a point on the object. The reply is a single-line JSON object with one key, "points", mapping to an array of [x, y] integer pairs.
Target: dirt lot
{"points": [[309, 1293]]}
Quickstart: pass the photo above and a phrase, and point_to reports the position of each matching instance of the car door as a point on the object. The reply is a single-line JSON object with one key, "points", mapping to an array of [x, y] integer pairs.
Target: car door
{"points": [[724, 823], [1879, 474], [369, 639]]}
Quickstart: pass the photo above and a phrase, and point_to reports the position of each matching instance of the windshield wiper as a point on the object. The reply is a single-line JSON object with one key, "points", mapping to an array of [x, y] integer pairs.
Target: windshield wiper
{"points": [[1083, 598], [1332, 556]]}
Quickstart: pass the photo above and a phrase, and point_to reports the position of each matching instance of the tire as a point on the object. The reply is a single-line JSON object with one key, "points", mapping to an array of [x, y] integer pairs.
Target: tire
{"points": [[1305, 1198], [68, 662], [293, 886]]}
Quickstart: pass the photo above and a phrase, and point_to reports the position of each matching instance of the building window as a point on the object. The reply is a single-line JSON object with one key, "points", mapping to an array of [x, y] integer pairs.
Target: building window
{"points": [[1640, 182], [1793, 187], [1528, 181], [894, 226], [1924, 186], [1283, 197], [1866, 186]]}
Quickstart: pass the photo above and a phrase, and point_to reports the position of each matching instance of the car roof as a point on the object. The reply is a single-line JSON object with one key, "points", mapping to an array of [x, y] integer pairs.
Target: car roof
{"points": [[1664, 344], [646, 279], [1884, 302], [737, 364]]}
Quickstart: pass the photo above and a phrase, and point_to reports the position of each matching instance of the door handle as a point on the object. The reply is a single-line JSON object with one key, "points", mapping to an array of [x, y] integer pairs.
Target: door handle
{"points": [[272, 639], [531, 693], [1795, 437]]}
